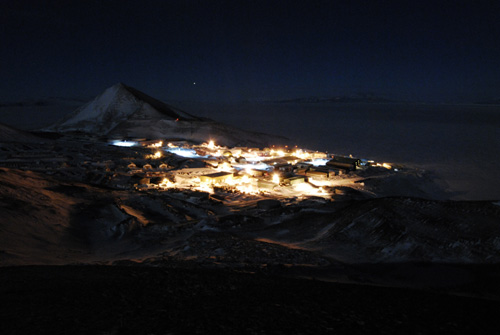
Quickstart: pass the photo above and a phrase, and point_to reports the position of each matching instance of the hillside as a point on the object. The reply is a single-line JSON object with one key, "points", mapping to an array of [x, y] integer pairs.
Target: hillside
{"points": [[10, 134], [122, 111]]}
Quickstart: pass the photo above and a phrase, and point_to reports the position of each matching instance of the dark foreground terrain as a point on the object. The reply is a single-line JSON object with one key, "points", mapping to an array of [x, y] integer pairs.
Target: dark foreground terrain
{"points": [[180, 261], [150, 300]]}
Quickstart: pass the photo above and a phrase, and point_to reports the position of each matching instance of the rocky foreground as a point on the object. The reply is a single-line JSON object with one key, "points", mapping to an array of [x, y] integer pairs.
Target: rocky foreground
{"points": [[82, 255], [150, 300]]}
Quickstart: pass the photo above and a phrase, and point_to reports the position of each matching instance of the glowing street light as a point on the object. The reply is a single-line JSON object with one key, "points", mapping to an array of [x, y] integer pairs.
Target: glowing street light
{"points": [[211, 145]]}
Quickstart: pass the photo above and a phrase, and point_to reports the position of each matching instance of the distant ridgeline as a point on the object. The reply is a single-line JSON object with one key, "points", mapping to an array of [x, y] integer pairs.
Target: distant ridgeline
{"points": [[122, 111]]}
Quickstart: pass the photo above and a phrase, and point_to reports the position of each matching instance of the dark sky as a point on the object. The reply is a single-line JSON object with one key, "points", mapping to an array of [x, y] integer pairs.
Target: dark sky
{"points": [[238, 50]]}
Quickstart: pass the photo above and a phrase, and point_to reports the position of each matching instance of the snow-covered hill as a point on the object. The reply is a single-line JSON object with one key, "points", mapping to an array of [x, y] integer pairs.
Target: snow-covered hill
{"points": [[115, 105], [9, 134], [49, 221], [123, 111]]}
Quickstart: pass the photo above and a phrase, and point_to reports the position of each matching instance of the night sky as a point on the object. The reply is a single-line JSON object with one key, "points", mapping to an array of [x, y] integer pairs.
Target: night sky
{"points": [[433, 51]]}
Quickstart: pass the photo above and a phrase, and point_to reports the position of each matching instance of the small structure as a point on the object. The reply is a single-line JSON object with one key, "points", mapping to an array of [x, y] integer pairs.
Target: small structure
{"points": [[144, 181], [265, 185], [319, 155], [215, 178], [211, 162], [257, 173], [241, 160], [283, 167], [317, 174], [163, 166], [346, 163], [235, 152], [320, 172], [275, 161], [294, 180], [303, 165], [291, 159]]}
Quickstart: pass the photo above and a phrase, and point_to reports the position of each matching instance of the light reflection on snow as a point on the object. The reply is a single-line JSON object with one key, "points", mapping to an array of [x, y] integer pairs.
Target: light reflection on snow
{"points": [[318, 162], [124, 143], [259, 166], [319, 182], [255, 158], [189, 153]]}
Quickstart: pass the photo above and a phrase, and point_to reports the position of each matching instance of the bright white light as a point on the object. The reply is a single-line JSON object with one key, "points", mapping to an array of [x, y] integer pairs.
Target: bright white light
{"points": [[259, 166], [226, 167], [190, 153], [318, 162], [166, 184], [254, 158], [124, 143], [306, 189]]}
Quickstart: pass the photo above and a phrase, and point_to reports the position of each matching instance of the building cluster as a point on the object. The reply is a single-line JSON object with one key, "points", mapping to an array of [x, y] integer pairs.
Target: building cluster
{"points": [[275, 171], [153, 165]]}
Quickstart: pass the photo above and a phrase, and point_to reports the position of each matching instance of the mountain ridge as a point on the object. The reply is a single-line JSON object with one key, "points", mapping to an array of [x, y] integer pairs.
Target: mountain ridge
{"points": [[117, 104], [123, 111]]}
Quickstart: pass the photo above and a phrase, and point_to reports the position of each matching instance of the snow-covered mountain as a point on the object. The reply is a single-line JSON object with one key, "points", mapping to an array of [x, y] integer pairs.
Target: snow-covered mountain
{"points": [[116, 104], [123, 111]]}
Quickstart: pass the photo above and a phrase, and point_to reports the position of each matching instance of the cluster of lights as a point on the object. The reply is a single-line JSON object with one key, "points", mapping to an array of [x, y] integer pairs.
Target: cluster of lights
{"points": [[248, 162], [166, 184], [158, 144], [384, 165], [252, 161], [156, 155], [211, 145]]}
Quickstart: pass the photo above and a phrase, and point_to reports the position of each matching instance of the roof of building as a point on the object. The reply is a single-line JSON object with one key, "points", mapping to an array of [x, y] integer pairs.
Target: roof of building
{"points": [[217, 174], [345, 160]]}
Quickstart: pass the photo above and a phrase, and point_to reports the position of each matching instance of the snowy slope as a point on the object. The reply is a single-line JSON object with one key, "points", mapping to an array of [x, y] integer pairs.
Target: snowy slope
{"points": [[115, 105], [396, 229], [46, 221], [197, 131], [123, 111], [9, 134]]}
